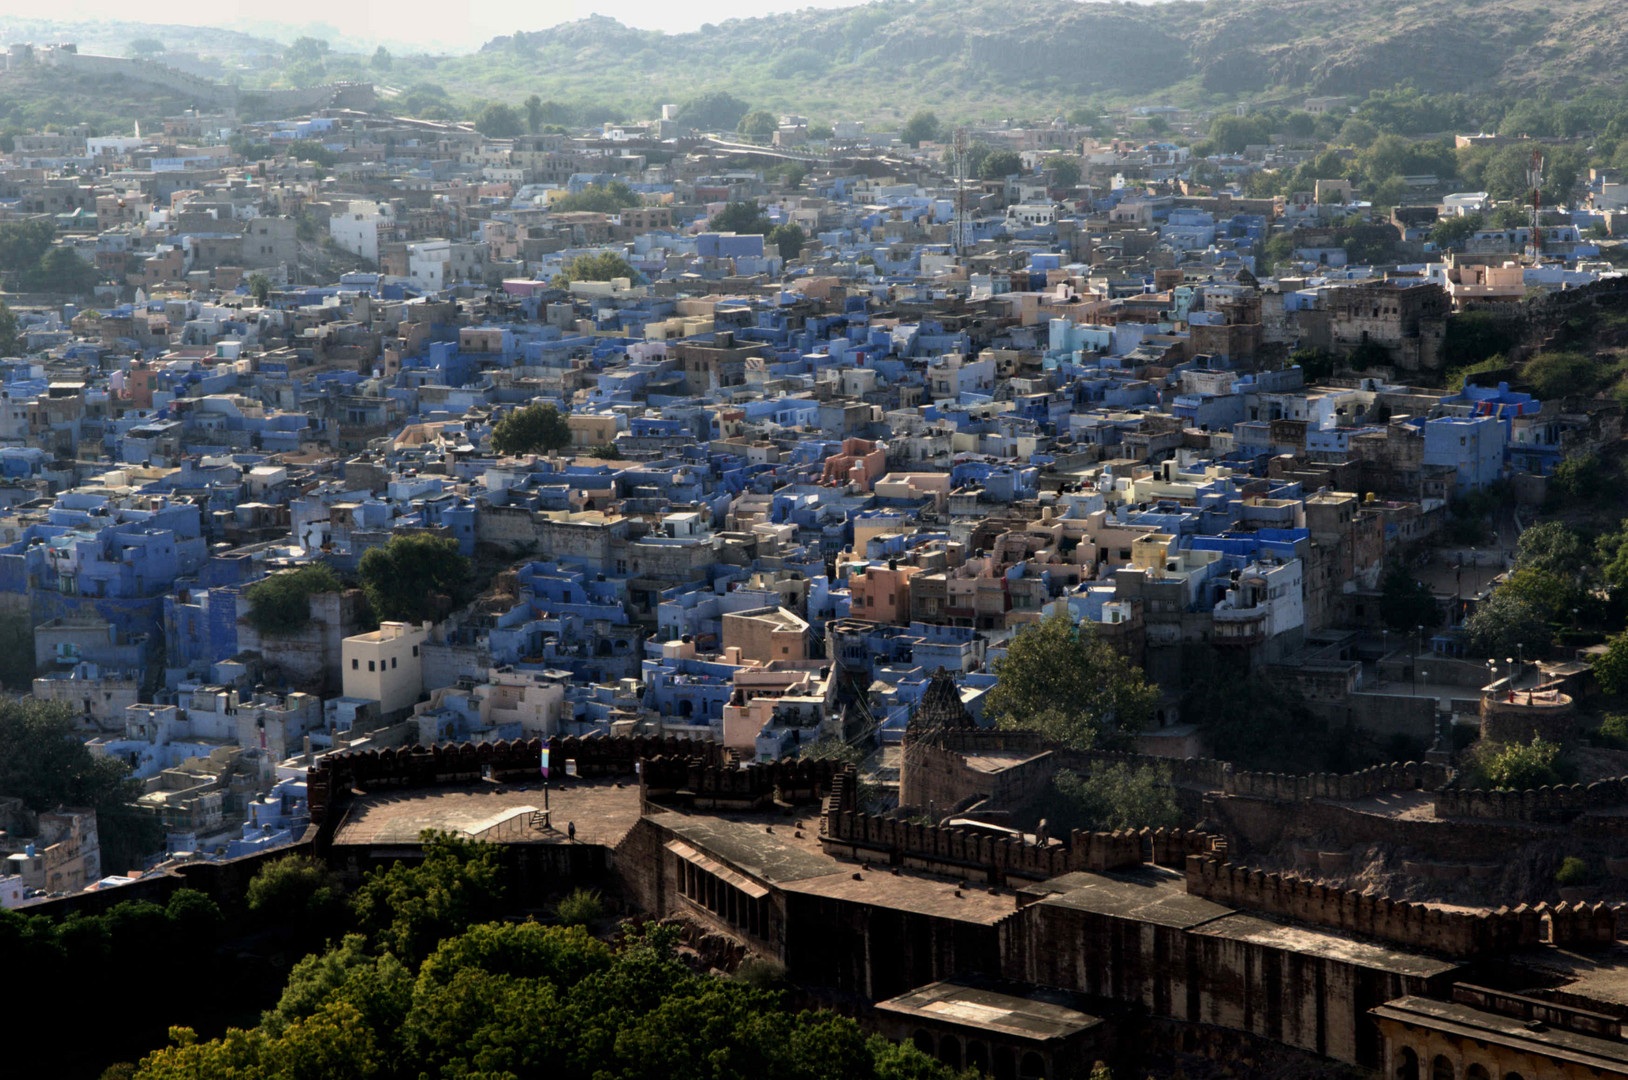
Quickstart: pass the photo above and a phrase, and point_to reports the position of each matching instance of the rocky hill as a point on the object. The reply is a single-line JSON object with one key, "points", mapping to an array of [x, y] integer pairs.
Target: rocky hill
{"points": [[1029, 51]]}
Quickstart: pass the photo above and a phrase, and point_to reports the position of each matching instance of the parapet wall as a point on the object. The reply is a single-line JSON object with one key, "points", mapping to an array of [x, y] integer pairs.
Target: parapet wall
{"points": [[1558, 803], [1417, 926], [332, 779], [993, 857], [706, 784], [1223, 777]]}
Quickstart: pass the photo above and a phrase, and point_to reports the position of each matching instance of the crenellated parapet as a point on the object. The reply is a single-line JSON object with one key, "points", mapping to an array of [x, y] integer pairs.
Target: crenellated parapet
{"points": [[1451, 932]]}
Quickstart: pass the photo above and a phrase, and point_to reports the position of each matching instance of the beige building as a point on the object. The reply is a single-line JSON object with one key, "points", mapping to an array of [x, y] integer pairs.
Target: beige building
{"points": [[766, 634], [385, 666]]}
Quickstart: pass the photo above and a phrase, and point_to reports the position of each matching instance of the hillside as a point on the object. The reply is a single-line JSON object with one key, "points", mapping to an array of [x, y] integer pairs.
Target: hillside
{"points": [[992, 58]]}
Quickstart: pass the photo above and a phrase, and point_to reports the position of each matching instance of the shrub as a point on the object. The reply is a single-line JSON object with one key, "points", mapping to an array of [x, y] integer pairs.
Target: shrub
{"points": [[1515, 766], [281, 603], [583, 906], [1573, 871], [761, 973], [1613, 730]]}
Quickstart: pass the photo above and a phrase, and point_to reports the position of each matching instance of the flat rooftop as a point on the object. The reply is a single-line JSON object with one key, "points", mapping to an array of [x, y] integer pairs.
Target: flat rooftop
{"points": [[1021, 1012], [799, 865], [998, 760], [602, 810], [1601, 1055], [1157, 895]]}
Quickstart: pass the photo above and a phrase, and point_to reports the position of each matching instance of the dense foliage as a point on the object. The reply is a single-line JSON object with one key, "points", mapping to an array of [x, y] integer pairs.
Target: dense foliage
{"points": [[45, 763], [606, 266], [432, 988], [281, 604], [1061, 679], [1118, 796], [413, 578], [533, 428], [608, 198]]}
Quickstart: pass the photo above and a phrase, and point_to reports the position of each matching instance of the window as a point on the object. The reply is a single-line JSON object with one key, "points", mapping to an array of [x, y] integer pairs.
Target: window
{"points": [[355, 664], [392, 663], [415, 650], [370, 666]]}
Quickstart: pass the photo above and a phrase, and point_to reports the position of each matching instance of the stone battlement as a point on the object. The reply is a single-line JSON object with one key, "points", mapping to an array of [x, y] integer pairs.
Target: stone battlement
{"points": [[1223, 777], [333, 778], [1558, 803], [1418, 926]]}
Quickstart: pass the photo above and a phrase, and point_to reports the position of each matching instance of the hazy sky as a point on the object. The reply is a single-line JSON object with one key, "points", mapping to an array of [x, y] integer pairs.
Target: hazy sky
{"points": [[429, 24]]}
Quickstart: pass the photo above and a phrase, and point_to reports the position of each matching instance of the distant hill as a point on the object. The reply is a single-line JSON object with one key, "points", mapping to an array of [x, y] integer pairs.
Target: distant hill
{"points": [[988, 57]]}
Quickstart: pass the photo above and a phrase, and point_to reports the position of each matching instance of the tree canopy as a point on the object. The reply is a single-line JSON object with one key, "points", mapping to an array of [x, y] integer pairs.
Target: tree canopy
{"points": [[280, 604], [499, 121], [45, 763], [1119, 796], [431, 987], [1000, 164], [713, 111], [741, 217], [414, 577], [606, 266], [758, 124], [607, 198], [9, 341], [536, 427], [1062, 679], [921, 127]]}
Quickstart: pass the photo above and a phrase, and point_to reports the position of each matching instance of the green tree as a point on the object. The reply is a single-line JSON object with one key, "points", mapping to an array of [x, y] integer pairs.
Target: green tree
{"points": [[24, 243], [1065, 171], [758, 125], [145, 48], [1505, 623], [46, 764], [1315, 362], [407, 909], [382, 60], [1473, 337], [1119, 796], [999, 165], [607, 198], [281, 603], [533, 428], [260, 289], [921, 127], [313, 151], [1451, 232], [414, 577], [534, 113], [1513, 766], [1405, 603], [1562, 375], [10, 344], [306, 50], [713, 111], [298, 892], [741, 217], [1578, 478], [606, 266], [1300, 125], [499, 121], [1062, 679], [1552, 547], [1611, 667], [1232, 134], [61, 270], [788, 240]]}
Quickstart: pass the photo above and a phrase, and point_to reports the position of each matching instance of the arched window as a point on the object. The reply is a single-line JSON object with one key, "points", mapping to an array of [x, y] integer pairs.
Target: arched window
{"points": [[1034, 1067], [978, 1056], [949, 1051], [1477, 1072], [923, 1041], [1005, 1068], [1513, 1076], [1408, 1067], [1442, 1069]]}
